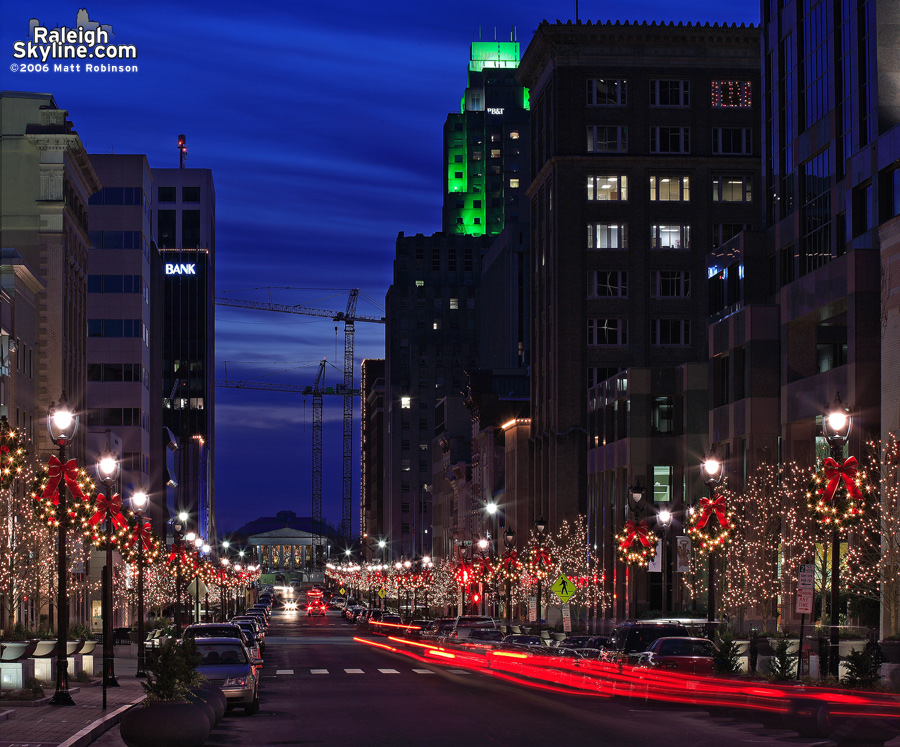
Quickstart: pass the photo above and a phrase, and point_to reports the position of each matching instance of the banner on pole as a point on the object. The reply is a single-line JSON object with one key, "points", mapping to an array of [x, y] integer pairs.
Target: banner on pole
{"points": [[682, 554]]}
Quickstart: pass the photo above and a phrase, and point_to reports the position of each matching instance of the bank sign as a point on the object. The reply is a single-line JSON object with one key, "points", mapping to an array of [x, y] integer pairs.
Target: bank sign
{"points": [[181, 269]]}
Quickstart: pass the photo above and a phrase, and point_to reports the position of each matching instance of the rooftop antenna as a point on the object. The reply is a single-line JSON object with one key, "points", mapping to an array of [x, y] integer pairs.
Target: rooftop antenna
{"points": [[182, 150], [495, 33], [576, 12]]}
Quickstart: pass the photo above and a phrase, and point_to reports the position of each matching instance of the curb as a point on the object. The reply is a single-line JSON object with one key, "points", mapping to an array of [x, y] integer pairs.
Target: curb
{"points": [[6, 715], [93, 730]]}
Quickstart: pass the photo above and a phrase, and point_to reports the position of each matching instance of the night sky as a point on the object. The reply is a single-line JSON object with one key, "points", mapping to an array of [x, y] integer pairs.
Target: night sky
{"points": [[322, 126]]}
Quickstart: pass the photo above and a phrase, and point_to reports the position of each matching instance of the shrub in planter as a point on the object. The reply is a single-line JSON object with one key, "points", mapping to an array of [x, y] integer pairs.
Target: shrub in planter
{"points": [[783, 664], [726, 656], [862, 670]]}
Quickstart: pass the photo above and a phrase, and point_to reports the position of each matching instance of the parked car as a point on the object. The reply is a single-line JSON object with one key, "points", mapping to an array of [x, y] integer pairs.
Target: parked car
{"points": [[522, 641], [439, 628], [688, 655], [465, 624], [227, 663], [415, 628], [224, 630], [478, 637], [631, 638]]}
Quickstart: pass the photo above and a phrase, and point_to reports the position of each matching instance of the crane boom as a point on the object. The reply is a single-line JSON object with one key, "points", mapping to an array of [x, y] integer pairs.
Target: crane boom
{"points": [[348, 317]]}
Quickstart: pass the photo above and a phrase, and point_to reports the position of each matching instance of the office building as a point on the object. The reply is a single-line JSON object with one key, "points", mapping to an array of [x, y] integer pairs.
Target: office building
{"points": [[372, 463], [645, 149], [184, 223]]}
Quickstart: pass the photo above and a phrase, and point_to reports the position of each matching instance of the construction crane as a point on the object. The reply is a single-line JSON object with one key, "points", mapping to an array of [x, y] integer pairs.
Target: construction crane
{"points": [[317, 390], [349, 318]]}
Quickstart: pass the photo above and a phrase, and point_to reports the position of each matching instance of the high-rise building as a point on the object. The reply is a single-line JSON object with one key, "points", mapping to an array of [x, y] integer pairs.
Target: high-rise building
{"points": [[184, 222], [46, 182], [123, 409], [371, 445], [645, 151], [485, 145]]}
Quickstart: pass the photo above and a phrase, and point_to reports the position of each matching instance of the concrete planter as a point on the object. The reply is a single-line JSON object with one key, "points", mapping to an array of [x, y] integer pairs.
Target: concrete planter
{"points": [[170, 723]]}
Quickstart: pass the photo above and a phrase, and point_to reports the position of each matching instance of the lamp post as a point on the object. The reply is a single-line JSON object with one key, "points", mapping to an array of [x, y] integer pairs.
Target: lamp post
{"points": [[836, 424], [198, 548], [178, 543], [541, 527], [108, 472], [483, 545], [664, 519], [139, 502], [61, 424], [635, 504], [509, 540], [713, 471]]}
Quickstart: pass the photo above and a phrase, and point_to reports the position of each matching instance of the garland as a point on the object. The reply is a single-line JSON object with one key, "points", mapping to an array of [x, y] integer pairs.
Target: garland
{"points": [[636, 543], [710, 524], [12, 453], [837, 493]]}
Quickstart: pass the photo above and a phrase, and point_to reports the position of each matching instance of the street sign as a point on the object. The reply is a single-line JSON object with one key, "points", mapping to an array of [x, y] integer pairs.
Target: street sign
{"points": [[532, 609], [343, 591], [563, 588], [806, 581], [567, 619], [381, 593]]}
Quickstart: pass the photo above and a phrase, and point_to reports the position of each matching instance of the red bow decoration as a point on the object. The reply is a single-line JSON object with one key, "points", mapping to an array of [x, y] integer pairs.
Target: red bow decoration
{"points": [[140, 532], [541, 557], [175, 554], [708, 508], [835, 472], [510, 561], [636, 530], [112, 507], [55, 473]]}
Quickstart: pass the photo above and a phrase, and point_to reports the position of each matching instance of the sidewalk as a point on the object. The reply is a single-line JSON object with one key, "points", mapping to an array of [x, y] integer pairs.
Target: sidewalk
{"points": [[78, 725]]}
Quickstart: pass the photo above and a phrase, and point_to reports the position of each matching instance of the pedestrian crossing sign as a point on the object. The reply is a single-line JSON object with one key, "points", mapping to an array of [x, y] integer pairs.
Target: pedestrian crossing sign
{"points": [[563, 588], [381, 593], [343, 590]]}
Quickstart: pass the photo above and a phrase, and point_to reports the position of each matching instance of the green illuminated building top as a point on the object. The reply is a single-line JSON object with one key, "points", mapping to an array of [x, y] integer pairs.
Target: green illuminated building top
{"points": [[486, 163]]}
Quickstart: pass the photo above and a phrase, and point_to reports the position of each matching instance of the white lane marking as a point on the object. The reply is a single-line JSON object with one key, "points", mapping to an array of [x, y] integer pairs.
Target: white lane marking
{"points": [[389, 671], [459, 671], [318, 671], [354, 671], [284, 671], [423, 671]]}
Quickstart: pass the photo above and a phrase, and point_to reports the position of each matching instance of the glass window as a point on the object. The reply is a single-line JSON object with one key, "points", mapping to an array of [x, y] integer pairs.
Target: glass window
{"points": [[190, 228], [662, 415], [670, 236], [166, 194], [165, 223], [671, 284], [608, 284], [731, 94], [607, 92], [732, 189], [670, 332], [670, 188], [190, 194], [607, 139], [607, 188], [670, 93], [662, 484], [607, 331], [670, 139], [732, 141], [608, 236]]}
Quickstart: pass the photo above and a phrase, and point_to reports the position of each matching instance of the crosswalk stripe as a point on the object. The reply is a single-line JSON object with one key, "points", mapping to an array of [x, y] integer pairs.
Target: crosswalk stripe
{"points": [[389, 671], [459, 671], [284, 671], [354, 671], [423, 671], [318, 671]]}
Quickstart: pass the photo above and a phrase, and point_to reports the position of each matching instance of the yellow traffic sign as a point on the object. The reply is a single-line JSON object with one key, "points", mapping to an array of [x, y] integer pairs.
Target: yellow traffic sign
{"points": [[343, 590], [563, 588], [381, 593]]}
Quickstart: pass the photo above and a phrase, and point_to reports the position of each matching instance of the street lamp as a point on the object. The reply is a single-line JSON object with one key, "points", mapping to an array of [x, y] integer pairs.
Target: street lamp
{"points": [[178, 543], [139, 503], [541, 527], [509, 540], [198, 548], [664, 519], [712, 471], [634, 504], [62, 424], [108, 472], [836, 424]]}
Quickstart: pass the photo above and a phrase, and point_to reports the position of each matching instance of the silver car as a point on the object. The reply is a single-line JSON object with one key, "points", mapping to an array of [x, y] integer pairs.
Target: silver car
{"points": [[226, 663]]}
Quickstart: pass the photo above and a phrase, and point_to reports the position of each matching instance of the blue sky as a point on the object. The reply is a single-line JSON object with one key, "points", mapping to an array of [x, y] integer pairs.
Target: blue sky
{"points": [[322, 125]]}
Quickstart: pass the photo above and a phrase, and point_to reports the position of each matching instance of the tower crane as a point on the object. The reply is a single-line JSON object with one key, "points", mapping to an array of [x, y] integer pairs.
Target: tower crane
{"points": [[317, 390], [349, 318]]}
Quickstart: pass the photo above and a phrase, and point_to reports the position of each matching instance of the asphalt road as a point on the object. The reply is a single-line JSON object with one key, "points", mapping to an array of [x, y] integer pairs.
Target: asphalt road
{"points": [[322, 687]]}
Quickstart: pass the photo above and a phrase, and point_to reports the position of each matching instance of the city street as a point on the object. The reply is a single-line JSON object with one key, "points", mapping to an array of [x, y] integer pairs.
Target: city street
{"points": [[322, 687]]}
